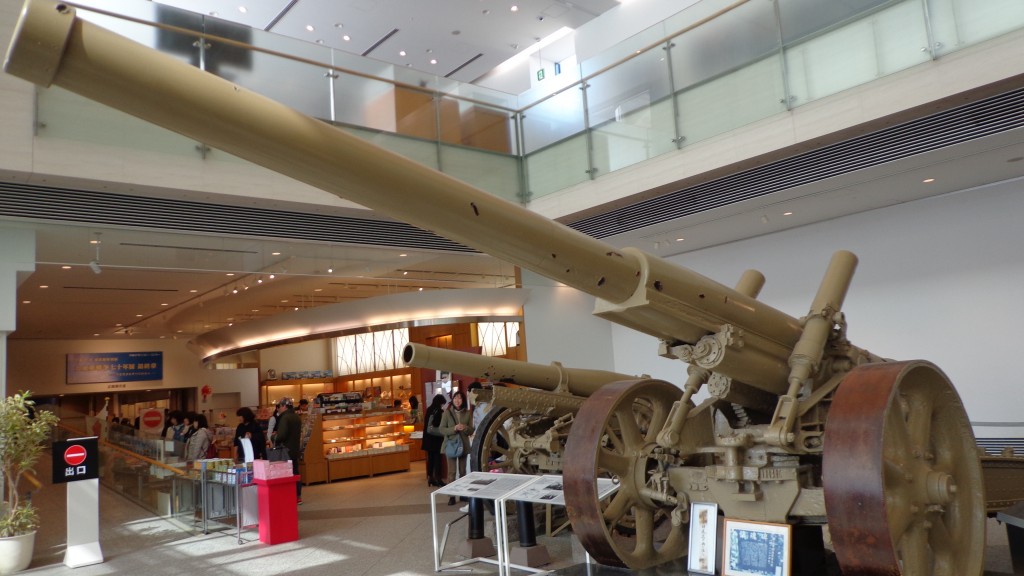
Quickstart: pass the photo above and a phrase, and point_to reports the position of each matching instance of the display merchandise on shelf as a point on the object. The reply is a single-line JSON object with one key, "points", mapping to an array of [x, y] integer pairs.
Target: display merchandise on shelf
{"points": [[356, 443], [273, 390]]}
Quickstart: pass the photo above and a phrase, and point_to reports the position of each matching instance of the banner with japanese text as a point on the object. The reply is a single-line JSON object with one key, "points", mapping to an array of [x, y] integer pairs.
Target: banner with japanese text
{"points": [[97, 367]]}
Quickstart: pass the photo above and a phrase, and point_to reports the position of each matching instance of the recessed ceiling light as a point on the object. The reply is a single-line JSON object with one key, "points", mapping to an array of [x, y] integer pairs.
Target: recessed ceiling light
{"points": [[402, 255], [259, 280], [164, 304], [318, 289], [271, 276], [514, 8], [680, 239], [433, 61], [243, 9], [928, 180], [26, 301], [284, 301], [95, 334], [230, 274], [43, 286], [787, 213], [275, 253], [138, 315], [193, 291], [65, 267], [310, 28], [405, 273], [401, 52], [330, 270], [118, 324], [346, 37], [421, 289], [255, 309]]}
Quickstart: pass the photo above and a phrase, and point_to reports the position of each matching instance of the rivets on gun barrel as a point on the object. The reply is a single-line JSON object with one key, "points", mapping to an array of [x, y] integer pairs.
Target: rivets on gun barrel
{"points": [[476, 211]]}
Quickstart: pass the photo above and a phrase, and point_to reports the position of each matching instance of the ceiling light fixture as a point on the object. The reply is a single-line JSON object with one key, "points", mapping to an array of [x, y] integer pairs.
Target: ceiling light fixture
{"points": [[243, 9], [928, 180], [346, 37], [310, 28]]}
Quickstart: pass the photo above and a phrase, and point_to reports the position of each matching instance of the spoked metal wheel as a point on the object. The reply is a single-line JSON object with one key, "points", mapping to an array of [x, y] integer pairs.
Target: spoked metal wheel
{"points": [[493, 448], [613, 437], [903, 485]]}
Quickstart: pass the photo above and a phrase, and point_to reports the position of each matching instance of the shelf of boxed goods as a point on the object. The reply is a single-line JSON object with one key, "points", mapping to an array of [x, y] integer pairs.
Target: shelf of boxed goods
{"points": [[364, 444]]}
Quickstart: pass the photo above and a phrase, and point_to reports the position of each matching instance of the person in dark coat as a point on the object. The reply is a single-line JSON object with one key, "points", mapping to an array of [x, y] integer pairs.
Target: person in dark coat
{"points": [[251, 429], [432, 441], [288, 433]]}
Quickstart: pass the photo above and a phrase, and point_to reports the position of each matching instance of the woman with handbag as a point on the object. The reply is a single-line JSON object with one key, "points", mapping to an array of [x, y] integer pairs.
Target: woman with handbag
{"points": [[456, 427], [432, 440]]}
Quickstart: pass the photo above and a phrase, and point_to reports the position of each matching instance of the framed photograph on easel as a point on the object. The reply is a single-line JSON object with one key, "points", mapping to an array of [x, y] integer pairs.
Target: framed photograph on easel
{"points": [[756, 549], [703, 538]]}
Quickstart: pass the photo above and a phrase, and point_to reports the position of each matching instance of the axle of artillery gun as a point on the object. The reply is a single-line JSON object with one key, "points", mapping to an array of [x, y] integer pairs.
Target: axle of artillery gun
{"points": [[800, 428]]}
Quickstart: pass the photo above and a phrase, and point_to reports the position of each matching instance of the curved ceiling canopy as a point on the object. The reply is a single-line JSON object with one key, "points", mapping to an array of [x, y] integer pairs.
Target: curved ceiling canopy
{"points": [[398, 310]]}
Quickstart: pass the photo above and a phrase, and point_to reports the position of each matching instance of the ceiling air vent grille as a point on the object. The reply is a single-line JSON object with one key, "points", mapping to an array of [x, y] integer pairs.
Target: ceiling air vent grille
{"points": [[32, 202], [948, 128]]}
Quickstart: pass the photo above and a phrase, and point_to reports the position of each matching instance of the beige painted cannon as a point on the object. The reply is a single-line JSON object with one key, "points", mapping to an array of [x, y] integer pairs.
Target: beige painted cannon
{"points": [[801, 428]]}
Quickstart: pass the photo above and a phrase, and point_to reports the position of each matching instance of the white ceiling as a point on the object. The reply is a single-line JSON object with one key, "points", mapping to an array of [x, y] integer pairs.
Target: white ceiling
{"points": [[458, 39], [172, 285]]}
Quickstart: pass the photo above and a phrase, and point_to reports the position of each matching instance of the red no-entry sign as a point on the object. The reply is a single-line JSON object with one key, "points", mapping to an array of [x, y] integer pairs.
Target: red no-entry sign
{"points": [[75, 455]]}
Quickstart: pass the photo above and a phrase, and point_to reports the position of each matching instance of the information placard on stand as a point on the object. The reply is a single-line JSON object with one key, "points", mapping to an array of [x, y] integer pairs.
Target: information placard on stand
{"points": [[547, 489], [486, 485]]}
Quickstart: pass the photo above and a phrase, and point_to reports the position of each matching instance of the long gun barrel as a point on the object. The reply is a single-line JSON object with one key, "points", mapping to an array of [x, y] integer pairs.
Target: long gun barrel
{"points": [[578, 381], [52, 46]]}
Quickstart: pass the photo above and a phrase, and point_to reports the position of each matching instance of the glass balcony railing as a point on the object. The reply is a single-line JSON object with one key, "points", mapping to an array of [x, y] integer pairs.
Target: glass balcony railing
{"points": [[715, 66]]}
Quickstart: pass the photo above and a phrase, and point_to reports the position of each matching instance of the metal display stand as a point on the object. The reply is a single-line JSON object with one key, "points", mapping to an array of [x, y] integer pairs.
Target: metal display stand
{"points": [[485, 485], [546, 490], [242, 503]]}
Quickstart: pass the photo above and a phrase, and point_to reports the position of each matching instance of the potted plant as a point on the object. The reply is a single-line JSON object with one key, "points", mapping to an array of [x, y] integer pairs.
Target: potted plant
{"points": [[22, 433]]}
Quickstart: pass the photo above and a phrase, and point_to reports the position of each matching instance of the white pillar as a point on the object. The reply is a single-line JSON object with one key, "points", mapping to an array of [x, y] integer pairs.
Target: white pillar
{"points": [[17, 263]]}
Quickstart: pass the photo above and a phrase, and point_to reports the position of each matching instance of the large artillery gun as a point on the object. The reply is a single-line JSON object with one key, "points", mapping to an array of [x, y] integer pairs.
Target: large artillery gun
{"points": [[826, 432]]}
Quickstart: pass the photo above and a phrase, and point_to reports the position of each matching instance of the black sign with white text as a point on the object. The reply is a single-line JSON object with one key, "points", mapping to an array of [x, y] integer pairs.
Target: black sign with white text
{"points": [[76, 459]]}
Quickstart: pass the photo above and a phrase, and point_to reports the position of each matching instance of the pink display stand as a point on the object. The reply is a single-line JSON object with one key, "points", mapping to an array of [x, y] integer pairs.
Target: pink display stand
{"points": [[279, 515]]}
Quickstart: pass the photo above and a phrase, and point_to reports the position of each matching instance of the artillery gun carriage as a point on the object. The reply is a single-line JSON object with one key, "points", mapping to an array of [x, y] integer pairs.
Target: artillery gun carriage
{"points": [[801, 427]]}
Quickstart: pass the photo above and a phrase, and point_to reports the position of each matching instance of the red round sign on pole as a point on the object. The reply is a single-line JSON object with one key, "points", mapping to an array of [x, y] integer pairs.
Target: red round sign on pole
{"points": [[74, 455]]}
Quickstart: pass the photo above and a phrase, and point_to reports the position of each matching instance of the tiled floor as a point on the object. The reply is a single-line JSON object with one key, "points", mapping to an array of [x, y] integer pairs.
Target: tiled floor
{"points": [[368, 527]]}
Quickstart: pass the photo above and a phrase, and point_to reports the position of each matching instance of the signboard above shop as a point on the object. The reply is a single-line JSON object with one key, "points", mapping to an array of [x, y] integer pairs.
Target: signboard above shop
{"points": [[99, 367]]}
